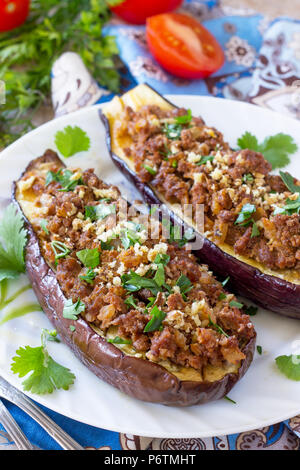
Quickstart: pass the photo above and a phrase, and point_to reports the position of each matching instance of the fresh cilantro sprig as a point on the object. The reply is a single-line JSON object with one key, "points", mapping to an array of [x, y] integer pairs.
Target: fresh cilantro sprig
{"points": [[46, 374], [276, 149], [184, 285], [289, 366], [292, 206], [13, 238], [185, 119], [289, 182], [130, 301], [72, 140]]}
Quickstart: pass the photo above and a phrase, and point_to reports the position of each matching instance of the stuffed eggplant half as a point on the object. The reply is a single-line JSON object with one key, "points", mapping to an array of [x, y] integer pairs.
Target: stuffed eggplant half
{"points": [[251, 223], [139, 312]]}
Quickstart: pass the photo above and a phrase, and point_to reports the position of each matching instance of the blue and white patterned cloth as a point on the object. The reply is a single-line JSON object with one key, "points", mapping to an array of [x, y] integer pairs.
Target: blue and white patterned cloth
{"points": [[263, 66]]}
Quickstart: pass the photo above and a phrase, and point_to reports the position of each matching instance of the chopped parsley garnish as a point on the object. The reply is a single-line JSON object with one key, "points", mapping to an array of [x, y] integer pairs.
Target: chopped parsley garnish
{"points": [[184, 285], [72, 140], [133, 283], [130, 301], [250, 310], [63, 177], [259, 349], [222, 296], [289, 182], [205, 159], [289, 366], [89, 276], [172, 131], [99, 212], [291, 207], [162, 258], [248, 177], [118, 340], [175, 233], [185, 119], [217, 327], [89, 257], [150, 170], [71, 311], [276, 148], [13, 238], [159, 277], [60, 249], [46, 374], [157, 317], [236, 304], [129, 238], [244, 219], [43, 224], [166, 152]]}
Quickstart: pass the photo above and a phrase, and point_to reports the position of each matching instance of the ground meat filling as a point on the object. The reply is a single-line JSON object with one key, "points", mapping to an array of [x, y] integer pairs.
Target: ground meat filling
{"points": [[189, 163], [147, 293]]}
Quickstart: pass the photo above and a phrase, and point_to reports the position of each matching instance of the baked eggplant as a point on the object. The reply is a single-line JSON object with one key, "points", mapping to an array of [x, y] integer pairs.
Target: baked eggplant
{"points": [[140, 313], [175, 159]]}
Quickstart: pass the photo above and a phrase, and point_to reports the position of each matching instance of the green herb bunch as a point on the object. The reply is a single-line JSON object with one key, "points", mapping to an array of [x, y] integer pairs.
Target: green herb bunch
{"points": [[28, 53]]}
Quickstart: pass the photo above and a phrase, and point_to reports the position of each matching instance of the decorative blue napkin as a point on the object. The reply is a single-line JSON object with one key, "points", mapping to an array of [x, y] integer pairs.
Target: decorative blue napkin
{"points": [[263, 66]]}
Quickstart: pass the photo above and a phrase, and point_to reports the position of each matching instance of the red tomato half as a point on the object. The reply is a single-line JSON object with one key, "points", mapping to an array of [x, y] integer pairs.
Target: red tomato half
{"points": [[13, 13], [183, 46], [136, 11]]}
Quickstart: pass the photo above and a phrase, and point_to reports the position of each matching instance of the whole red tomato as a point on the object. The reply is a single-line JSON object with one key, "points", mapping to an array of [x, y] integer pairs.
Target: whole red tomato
{"points": [[13, 13], [137, 11], [183, 46]]}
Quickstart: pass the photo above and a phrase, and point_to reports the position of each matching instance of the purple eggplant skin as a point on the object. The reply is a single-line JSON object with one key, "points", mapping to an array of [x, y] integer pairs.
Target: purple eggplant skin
{"points": [[136, 377], [269, 292]]}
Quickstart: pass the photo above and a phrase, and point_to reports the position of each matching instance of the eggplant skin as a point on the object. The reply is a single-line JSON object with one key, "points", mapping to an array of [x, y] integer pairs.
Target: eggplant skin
{"points": [[267, 291], [136, 377]]}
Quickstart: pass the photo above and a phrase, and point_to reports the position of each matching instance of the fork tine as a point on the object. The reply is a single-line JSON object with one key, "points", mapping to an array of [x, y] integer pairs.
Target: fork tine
{"points": [[13, 429]]}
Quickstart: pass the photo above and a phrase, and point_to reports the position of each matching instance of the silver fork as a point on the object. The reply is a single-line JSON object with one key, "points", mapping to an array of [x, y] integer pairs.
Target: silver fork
{"points": [[10, 393], [13, 429]]}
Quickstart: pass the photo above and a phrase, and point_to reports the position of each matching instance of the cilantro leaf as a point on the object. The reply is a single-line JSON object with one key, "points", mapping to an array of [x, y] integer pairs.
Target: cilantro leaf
{"points": [[185, 119], [130, 301], [133, 282], [71, 311], [159, 277], [289, 366], [150, 170], [184, 284], [89, 257], [157, 317], [172, 131], [205, 159], [289, 182], [46, 374], [276, 148], [13, 238], [236, 304], [44, 224], [245, 213], [60, 249], [99, 212], [89, 276], [129, 238], [217, 327], [64, 178], [248, 141], [72, 140], [118, 340]]}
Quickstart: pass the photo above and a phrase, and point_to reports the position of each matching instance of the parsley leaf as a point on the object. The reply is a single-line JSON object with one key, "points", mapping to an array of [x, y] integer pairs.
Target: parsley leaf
{"points": [[71, 311], [13, 238], [72, 140], [245, 214], [89, 276], [118, 340], [185, 119], [133, 282], [99, 212], [64, 178], [217, 327], [289, 366], [289, 182], [130, 301], [276, 149], [89, 257], [46, 374], [157, 317], [236, 304]]}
